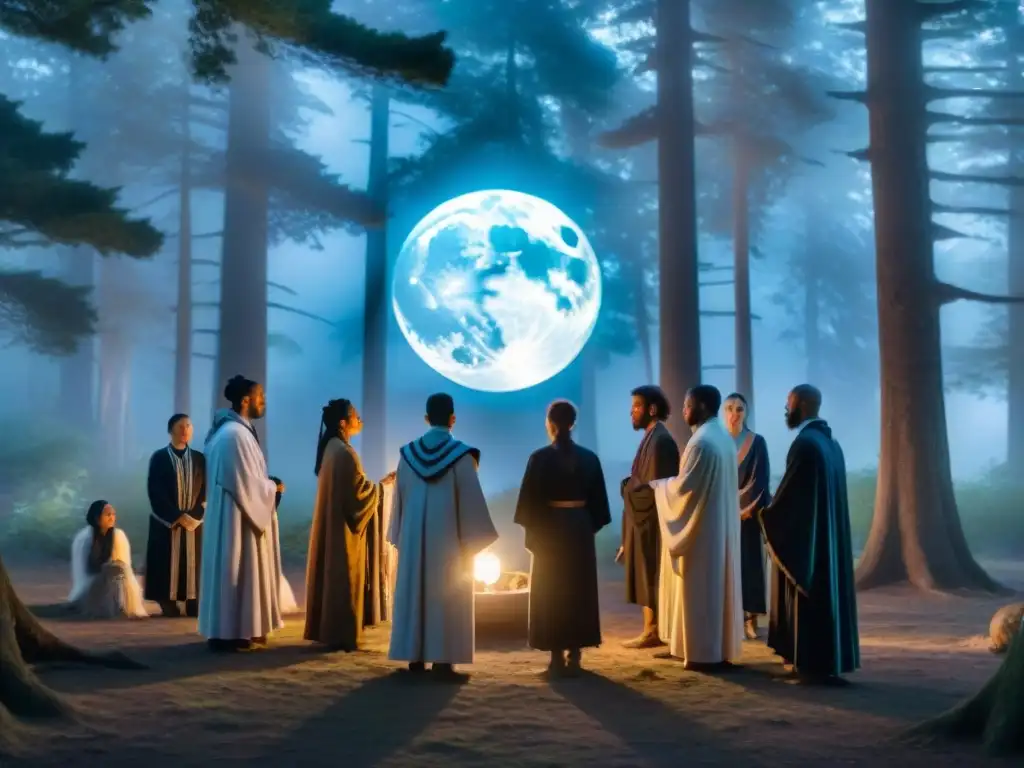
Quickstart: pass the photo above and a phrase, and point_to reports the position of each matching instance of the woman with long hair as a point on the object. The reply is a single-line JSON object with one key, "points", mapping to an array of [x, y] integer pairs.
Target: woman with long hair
{"points": [[103, 585], [755, 495]]}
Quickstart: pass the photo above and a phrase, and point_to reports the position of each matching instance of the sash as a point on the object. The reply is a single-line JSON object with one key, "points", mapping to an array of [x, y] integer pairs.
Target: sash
{"points": [[744, 449]]}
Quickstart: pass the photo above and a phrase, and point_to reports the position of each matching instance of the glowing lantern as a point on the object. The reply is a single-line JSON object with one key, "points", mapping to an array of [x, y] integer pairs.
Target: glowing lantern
{"points": [[486, 569]]}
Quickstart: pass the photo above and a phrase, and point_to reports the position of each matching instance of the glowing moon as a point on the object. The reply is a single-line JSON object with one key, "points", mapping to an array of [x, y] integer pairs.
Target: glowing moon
{"points": [[497, 290]]}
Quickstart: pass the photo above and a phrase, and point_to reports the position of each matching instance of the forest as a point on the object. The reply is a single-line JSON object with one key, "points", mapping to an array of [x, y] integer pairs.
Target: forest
{"points": [[829, 192]]}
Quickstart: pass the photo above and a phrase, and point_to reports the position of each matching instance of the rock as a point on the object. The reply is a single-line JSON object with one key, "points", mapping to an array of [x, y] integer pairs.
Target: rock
{"points": [[1004, 626]]}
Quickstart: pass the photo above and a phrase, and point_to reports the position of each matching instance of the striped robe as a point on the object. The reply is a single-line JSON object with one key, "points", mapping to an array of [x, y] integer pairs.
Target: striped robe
{"points": [[176, 487]]}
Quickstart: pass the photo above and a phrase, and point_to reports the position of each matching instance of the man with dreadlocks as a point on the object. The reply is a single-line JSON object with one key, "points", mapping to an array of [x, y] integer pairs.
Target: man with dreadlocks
{"points": [[176, 485], [346, 500]]}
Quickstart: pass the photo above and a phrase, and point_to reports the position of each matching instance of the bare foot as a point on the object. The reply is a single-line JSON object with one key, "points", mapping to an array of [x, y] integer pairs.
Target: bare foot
{"points": [[645, 640]]}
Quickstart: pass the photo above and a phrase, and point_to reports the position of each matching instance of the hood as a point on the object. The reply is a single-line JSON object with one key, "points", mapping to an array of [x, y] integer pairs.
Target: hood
{"points": [[221, 417]]}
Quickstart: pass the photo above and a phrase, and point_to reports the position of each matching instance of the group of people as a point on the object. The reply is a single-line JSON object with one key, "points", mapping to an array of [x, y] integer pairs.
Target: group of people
{"points": [[693, 531]]}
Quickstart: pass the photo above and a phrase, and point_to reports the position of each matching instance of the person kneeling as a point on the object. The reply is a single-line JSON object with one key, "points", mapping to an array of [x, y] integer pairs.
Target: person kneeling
{"points": [[103, 584]]}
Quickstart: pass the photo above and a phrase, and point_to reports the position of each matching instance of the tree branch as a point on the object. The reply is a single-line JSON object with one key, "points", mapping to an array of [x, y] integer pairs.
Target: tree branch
{"points": [[861, 97], [860, 27], [935, 118], [980, 70], [971, 178], [970, 210], [945, 293], [935, 93]]}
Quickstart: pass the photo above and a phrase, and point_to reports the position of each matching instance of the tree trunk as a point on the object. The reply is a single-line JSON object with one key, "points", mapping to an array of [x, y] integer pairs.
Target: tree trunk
{"points": [[994, 716], [678, 294], [115, 390], [24, 641], [77, 372], [1015, 260], [375, 306], [741, 273], [642, 319], [183, 311], [242, 337], [812, 251], [915, 533]]}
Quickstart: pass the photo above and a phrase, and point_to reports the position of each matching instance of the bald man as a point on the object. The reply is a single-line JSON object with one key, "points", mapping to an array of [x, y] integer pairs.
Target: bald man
{"points": [[813, 618]]}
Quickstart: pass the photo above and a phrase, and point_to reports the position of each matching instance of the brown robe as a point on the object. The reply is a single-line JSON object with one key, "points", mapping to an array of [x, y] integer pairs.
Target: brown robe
{"points": [[656, 458], [346, 500]]}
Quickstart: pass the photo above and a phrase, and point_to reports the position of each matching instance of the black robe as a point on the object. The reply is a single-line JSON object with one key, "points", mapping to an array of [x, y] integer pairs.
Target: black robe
{"points": [[563, 503], [755, 495], [165, 536], [813, 620], [656, 458]]}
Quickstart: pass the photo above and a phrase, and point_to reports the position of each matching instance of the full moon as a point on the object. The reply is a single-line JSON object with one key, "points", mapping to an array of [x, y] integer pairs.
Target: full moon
{"points": [[497, 290]]}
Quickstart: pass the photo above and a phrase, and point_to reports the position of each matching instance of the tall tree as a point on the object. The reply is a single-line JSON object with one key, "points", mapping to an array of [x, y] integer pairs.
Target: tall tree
{"points": [[916, 533], [672, 123]]}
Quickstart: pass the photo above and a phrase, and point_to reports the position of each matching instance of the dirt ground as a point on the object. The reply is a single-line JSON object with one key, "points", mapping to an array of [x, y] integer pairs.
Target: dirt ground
{"points": [[294, 706]]}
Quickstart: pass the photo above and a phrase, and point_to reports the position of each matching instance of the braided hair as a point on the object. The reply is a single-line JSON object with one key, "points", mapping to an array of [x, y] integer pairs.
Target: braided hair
{"points": [[333, 412]]}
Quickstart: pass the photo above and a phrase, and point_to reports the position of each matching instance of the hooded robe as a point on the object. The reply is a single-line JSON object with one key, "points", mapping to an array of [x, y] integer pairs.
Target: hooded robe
{"points": [[439, 522]]}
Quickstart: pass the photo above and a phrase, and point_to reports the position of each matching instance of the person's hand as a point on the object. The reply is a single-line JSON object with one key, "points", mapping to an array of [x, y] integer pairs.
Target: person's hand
{"points": [[280, 487], [746, 516], [388, 478], [620, 555]]}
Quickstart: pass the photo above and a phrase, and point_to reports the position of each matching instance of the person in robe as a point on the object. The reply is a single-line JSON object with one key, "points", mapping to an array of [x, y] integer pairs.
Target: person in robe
{"points": [[657, 457], [439, 522], [813, 619], [346, 502], [562, 504], [103, 585], [176, 485], [755, 473], [241, 578], [699, 512]]}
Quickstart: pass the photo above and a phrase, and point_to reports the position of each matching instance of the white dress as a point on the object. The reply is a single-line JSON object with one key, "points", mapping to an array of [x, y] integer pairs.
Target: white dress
{"points": [[114, 591]]}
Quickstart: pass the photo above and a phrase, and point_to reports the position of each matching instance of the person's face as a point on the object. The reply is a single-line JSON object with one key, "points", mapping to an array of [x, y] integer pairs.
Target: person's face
{"points": [[735, 415], [551, 430], [641, 414], [181, 432], [353, 425], [794, 411], [693, 413], [108, 519], [257, 403]]}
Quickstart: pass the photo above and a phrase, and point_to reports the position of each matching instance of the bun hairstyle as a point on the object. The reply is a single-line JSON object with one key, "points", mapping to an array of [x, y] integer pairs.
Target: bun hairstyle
{"points": [[237, 389], [334, 412], [562, 414]]}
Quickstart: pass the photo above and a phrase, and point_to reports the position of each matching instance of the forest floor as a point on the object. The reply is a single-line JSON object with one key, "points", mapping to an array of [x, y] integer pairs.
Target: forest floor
{"points": [[293, 706]]}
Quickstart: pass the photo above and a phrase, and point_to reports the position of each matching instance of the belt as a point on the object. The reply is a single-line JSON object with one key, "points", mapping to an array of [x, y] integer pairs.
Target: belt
{"points": [[567, 504]]}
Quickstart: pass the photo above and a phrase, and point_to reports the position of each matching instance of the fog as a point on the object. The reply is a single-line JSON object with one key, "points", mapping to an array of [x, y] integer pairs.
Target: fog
{"points": [[318, 354]]}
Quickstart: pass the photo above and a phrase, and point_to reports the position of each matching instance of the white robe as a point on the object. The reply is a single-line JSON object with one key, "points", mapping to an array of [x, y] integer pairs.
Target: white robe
{"points": [[81, 579], [242, 586], [438, 521], [700, 606]]}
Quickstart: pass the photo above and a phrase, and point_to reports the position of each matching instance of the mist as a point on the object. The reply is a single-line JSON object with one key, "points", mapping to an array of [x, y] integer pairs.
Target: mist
{"points": [[90, 414]]}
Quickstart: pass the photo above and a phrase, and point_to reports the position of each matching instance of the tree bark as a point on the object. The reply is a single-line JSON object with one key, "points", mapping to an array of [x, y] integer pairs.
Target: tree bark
{"points": [[994, 716], [813, 248], [678, 290], [375, 314], [741, 274], [1015, 258], [915, 534], [77, 372], [24, 641], [183, 311], [242, 337], [115, 388]]}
